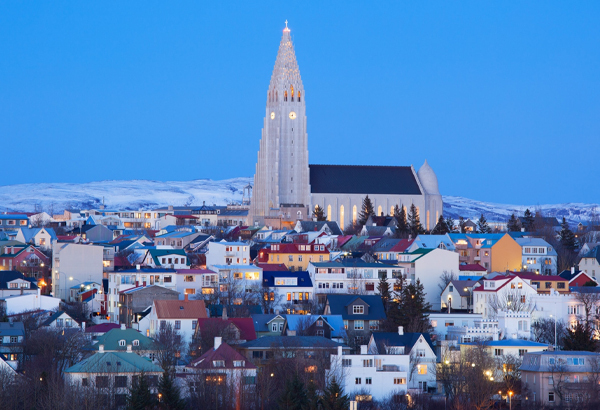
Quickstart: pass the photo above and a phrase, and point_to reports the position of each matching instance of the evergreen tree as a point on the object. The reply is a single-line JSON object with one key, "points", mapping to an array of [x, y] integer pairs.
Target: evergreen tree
{"points": [[170, 395], [294, 396], [461, 224], [482, 225], [440, 228], [384, 290], [567, 237], [401, 222], [319, 214], [334, 397], [513, 224], [140, 397], [450, 224], [414, 222], [366, 211], [580, 338], [528, 220], [412, 309], [314, 400]]}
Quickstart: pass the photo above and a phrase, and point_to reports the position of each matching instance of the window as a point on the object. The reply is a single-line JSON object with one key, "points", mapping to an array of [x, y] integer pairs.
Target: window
{"points": [[368, 380], [346, 362], [281, 327], [120, 381], [101, 381], [188, 278], [345, 324], [522, 352], [551, 360], [498, 352], [178, 324], [357, 380], [358, 309], [194, 324], [369, 286], [421, 369], [218, 363], [320, 332], [238, 363], [399, 380], [189, 292], [273, 327], [551, 397], [122, 343], [368, 363], [168, 278], [291, 258], [84, 381], [451, 288], [560, 285], [373, 325], [359, 325]]}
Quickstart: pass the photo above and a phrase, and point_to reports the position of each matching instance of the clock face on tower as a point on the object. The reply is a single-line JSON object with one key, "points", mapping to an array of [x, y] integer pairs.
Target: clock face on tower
{"points": [[292, 115], [273, 115]]}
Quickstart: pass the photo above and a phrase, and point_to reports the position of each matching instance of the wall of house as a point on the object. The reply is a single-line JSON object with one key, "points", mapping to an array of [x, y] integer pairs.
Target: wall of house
{"points": [[218, 255], [506, 255], [81, 262], [428, 270]]}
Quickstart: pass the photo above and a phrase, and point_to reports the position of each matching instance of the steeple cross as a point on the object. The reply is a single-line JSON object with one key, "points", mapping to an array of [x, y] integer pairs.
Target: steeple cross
{"points": [[286, 24]]}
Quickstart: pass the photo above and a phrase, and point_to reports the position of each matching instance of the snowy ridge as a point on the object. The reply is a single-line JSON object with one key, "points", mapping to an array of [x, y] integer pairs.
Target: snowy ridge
{"points": [[144, 194]]}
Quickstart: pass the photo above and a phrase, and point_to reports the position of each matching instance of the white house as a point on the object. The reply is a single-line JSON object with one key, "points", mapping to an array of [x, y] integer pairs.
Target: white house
{"points": [[60, 320], [441, 322], [25, 303], [538, 256], [75, 263], [42, 237], [196, 281], [238, 278], [376, 376], [497, 292], [227, 253], [167, 258]]}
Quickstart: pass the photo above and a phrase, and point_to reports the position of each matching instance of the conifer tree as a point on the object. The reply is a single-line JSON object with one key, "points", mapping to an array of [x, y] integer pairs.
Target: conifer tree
{"points": [[513, 224], [334, 397], [440, 228], [384, 290], [412, 310], [401, 222], [414, 222], [140, 397], [450, 224], [581, 338], [314, 400], [528, 220], [170, 398], [294, 396], [482, 225], [567, 237], [366, 211], [461, 224], [319, 214]]}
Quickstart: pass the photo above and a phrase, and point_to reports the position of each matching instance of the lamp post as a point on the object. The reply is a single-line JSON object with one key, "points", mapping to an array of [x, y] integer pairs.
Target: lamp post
{"points": [[555, 338], [510, 393]]}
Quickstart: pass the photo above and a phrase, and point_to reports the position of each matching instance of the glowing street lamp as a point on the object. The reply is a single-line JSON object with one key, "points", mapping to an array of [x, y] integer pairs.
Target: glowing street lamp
{"points": [[510, 393]]}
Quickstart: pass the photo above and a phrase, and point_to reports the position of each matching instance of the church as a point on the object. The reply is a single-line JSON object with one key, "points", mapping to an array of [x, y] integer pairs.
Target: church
{"points": [[287, 189]]}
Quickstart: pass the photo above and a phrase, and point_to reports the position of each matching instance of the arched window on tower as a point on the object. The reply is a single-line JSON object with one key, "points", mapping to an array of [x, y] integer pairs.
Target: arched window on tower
{"points": [[329, 212], [292, 89], [299, 96], [354, 214], [342, 216], [276, 96], [379, 211], [270, 100], [391, 211], [285, 95]]}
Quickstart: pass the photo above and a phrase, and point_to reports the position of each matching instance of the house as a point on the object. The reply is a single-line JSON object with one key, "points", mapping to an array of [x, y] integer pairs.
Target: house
{"points": [[77, 262], [294, 255], [227, 253], [495, 252], [132, 302], [123, 339], [268, 324], [442, 321], [115, 372], [12, 222], [380, 231], [367, 377], [329, 227], [93, 232], [12, 336], [419, 349], [577, 277], [432, 242], [166, 258], [471, 271], [182, 315], [26, 257], [557, 378], [60, 320], [391, 253], [13, 282], [292, 289], [98, 330], [458, 294], [83, 291], [237, 280], [177, 239], [232, 330], [7, 370], [544, 283], [223, 366], [538, 255], [362, 314], [328, 326], [42, 237], [196, 281], [507, 347], [497, 292], [590, 262], [17, 304]]}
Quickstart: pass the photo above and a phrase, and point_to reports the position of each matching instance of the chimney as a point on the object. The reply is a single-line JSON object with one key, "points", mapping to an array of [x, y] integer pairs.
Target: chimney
{"points": [[83, 326], [340, 351], [224, 315], [185, 297], [401, 330], [129, 349], [363, 349], [276, 311], [137, 267], [170, 207], [123, 327], [101, 349], [572, 269], [217, 342], [137, 283]]}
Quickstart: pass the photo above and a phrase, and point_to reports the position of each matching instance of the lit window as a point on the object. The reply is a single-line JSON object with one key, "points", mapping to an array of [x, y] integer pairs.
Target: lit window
{"points": [[358, 309]]}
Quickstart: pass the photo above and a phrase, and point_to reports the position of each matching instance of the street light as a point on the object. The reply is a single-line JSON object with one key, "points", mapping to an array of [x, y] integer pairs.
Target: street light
{"points": [[555, 346], [510, 393]]}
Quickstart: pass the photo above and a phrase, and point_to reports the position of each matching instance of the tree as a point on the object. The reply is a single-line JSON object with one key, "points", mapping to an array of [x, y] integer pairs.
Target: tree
{"points": [[461, 224], [440, 228], [334, 397], [414, 222], [542, 331], [401, 222], [513, 224], [445, 279], [528, 220], [366, 211], [140, 397], [567, 237], [450, 224], [384, 290], [314, 400], [170, 345], [319, 214], [580, 338], [170, 396], [412, 309], [294, 396], [482, 225]]}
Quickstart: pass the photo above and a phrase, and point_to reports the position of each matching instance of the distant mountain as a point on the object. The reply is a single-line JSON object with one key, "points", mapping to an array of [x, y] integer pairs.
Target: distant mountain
{"points": [[144, 194]]}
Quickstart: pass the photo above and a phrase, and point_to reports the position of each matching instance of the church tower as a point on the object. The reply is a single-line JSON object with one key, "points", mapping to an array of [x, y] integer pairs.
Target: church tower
{"points": [[281, 183]]}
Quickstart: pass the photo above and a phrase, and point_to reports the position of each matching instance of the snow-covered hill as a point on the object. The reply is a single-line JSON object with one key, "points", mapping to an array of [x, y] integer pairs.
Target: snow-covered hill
{"points": [[144, 194]]}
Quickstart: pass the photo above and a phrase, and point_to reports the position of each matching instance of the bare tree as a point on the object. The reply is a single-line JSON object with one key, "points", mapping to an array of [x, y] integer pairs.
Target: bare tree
{"points": [[590, 300], [445, 278], [543, 331], [169, 346], [513, 300]]}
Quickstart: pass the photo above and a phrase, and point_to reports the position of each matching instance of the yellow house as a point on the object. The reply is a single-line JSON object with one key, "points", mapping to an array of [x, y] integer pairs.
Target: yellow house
{"points": [[295, 256], [505, 255]]}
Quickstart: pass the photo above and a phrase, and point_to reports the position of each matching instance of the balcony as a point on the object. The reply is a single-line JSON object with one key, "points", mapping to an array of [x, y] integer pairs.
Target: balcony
{"points": [[330, 276], [392, 368]]}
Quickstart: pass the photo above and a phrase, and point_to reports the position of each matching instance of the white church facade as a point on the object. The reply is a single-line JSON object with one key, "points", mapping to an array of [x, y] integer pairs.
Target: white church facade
{"points": [[286, 188]]}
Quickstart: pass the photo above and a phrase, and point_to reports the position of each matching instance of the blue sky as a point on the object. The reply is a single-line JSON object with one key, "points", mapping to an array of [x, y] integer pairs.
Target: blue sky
{"points": [[502, 99]]}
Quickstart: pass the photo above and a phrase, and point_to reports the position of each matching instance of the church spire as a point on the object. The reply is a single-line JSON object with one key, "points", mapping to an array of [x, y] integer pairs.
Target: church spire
{"points": [[286, 84]]}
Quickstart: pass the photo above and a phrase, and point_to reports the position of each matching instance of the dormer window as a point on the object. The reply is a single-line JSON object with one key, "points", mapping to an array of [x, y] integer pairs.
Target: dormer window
{"points": [[319, 323], [238, 363], [218, 363], [122, 343], [136, 342], [358, 309]]}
